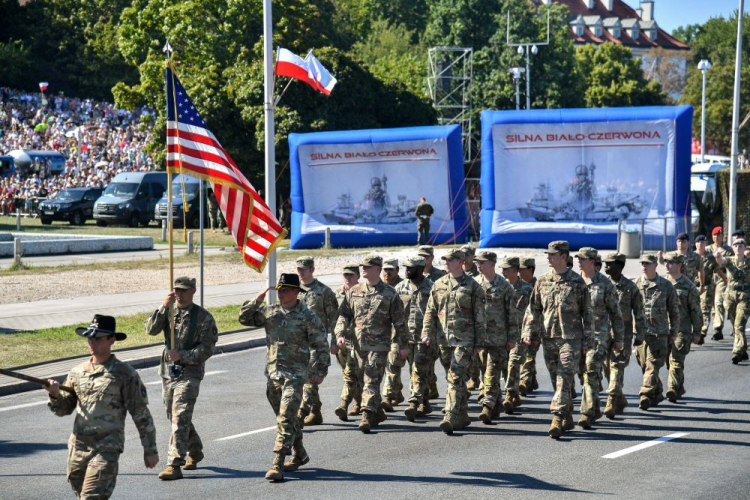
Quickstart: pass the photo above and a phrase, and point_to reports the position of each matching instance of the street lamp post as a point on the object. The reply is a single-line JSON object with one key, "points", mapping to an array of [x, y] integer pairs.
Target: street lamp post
{"points": [[517, 72], [525, 48], [703, 66]]}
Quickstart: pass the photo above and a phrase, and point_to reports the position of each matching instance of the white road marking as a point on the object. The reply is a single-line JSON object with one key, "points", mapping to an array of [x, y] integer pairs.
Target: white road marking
{"points": [[205, 375], [256, 431], [18, 407], [647, 444]]}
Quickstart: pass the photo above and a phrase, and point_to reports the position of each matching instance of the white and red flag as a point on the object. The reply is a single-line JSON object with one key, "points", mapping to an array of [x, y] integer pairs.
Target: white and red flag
{"points": [[193, 150], [309, 70], [43, 86]]}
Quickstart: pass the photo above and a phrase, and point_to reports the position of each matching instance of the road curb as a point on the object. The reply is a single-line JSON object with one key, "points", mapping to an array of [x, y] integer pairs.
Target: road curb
{"points": [[145, 362]]}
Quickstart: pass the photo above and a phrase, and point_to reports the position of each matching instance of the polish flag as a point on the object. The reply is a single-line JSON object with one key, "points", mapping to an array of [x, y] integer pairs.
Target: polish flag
{"points": [[309, 70], [43, 86]]}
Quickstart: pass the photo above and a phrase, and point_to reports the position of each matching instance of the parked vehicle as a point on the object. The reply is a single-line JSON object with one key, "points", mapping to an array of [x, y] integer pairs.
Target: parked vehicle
{"points": [[24, 160], [130, 199], [192, 187], [74, 205]]}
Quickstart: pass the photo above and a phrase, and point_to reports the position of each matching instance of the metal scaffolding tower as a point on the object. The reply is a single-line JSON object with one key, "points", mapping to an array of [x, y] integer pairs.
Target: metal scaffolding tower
{"points": [[449, 80]]}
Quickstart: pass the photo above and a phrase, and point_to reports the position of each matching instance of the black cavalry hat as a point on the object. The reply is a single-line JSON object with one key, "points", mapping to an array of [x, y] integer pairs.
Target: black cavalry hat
{"points": [[101, 326]]}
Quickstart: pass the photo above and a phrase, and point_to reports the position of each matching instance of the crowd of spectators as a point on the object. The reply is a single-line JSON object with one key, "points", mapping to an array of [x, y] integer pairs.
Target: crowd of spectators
{"points": [[97, 140]]}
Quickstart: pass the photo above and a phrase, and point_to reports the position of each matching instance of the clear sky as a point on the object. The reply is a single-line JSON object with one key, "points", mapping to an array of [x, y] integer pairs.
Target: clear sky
{"points": [[670, 14]]}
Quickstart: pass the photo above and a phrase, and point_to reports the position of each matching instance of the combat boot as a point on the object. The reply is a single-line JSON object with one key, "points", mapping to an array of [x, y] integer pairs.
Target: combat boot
{"points": [[522, 388], [171, 473], [302, 415], [672, 396], [276, 472], [657, 399], [508, 406], [645, 403], [556, 429], [380, 417], [411, 412], [446, 426], [744, 356], [314, 418], [399, 399], [567, 423], [192, 461], [609, 408], [717, 336], [736, 358], [365, 424], [386, 405], [356, 409], [340, 411], [517, 401], [299, 457], [622, 403], [534, 383], [584, 422], [463, 422], [486, 415], [472, 385], [424, 409], [702, 340]]}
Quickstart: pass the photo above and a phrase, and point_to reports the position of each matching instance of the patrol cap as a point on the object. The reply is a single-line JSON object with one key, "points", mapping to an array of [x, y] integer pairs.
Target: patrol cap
{"points": [[351, 269], [674, 257], [700, 237], [616, 257], [101, 326], [739, 241], [415, 262], [509, 262], [390, 264], [184, 282], [717, 230], [455, 253], [486, 255], [587, 253], [558, 246], [683, 236], [306, 262], [372, 260], [425, 250], [468, 250], [289, 280], [649, 258], [528, 263]]}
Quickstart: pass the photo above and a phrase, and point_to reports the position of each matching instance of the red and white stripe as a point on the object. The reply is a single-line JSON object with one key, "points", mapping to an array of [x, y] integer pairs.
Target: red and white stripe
{"points": [[309, 70], [195, 151]]}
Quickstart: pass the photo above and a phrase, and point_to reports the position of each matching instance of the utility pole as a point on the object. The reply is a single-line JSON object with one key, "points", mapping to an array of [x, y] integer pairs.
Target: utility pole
{"points": [[270, 145], [736, 122]]}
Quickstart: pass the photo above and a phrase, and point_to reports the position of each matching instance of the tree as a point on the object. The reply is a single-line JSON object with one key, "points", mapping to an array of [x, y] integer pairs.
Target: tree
{"points": [[467, 23], [613, 77]]}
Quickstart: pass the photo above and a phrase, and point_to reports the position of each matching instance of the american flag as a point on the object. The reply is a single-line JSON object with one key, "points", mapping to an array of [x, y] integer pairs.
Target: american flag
{"points": [[192, 149]]}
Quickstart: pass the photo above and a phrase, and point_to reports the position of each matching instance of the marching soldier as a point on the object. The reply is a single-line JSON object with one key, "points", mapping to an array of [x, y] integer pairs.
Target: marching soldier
{"points": [[661, 305], [469, 265], [390, 272], [528, 382], [195, 338], [560, 309], [438, 352], [521, 295], [691, 266], [608, 333], [352, 389], [423, 211], [500, 335], [720, 283], [430, 271], [456, 312], [377, 314], [297, 352], [631, 308], [392, 395], [322, 301], [707, 288], [738, 295], [690, 326], [470, 268], [105, 390]]}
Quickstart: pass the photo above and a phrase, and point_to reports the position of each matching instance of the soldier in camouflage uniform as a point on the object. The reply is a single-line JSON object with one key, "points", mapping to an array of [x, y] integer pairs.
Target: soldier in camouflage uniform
{"points": [[561, 311], [608, 333], [352, 389], [105, 389], [392, 394], [631, 308], [528, 382], [470, 268], [662, 308], [521, 295], [415, 292], [455, 311], [720, 283], [500, 335], [423, 211], [691, 323], [706, 288], [322, 301], [434, 274], [691, 266], [195, 337], [377, 314], [738, 296], [297, 353]]}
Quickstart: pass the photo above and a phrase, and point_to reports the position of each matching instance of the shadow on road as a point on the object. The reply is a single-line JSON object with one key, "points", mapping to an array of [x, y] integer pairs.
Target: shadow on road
{"points": [[13, 449]]}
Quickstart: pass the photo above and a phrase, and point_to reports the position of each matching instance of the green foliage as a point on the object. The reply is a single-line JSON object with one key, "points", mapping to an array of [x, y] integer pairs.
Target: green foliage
{"points": [[468, 23], [613, 78]]}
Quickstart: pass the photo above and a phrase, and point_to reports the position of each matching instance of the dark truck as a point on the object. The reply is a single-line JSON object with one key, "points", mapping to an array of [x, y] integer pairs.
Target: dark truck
{"points": [[74, 205]]}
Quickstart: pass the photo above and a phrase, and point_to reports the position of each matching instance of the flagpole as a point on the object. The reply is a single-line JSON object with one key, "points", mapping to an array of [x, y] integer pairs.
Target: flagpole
{"points": [[201, 211], [170, 220], [268, 80]]}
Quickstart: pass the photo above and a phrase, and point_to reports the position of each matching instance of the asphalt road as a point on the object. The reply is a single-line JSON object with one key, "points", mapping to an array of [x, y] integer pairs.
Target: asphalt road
{"points": [[399, 459]]}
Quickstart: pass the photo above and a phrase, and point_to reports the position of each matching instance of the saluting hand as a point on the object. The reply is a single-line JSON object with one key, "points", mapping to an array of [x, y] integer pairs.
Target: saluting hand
{"points": [[261, 296]]}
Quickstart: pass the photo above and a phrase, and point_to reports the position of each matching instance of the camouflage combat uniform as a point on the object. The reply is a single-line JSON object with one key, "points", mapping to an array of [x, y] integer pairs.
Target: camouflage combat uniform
{"points": [[691, 323], [662, 311], [691, 266], [521, 295], [455, 312], [377, 315], [608, 330], [528, 369], [352, 388], [322, 301], [719, 287], [709, 266], [560, 310], [393, 385], [104, 392], [296, 347], [196, 335], [738, 301]]}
